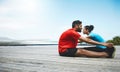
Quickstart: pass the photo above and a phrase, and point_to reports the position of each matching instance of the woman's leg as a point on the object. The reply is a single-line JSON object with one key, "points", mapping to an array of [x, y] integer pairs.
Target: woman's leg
{"points": [[87, 53]]}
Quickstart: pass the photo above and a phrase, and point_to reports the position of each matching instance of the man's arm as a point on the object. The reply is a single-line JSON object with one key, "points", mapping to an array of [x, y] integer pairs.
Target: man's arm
{"points": [[88, 40], [79, 41]]}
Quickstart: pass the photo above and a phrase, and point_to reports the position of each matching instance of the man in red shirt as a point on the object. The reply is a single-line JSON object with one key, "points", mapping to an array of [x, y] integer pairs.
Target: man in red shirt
{"points": [[69, 39]]}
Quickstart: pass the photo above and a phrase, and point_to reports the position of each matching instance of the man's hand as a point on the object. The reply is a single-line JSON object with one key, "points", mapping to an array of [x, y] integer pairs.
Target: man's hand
{"points": [[110, 45]]}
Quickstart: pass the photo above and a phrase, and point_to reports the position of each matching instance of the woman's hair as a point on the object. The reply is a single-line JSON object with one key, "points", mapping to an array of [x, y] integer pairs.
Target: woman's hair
{"points": [[89, 27]]}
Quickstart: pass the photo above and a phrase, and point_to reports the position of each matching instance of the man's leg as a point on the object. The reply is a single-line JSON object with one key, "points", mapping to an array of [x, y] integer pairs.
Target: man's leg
{"points": [[87, 53]]}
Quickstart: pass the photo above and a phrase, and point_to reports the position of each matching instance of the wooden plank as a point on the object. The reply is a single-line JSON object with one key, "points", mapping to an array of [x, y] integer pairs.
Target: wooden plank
{"points": [[46, 59]]}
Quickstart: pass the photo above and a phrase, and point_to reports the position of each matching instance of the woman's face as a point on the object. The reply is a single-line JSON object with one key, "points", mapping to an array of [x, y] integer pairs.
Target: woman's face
{"points": [[85, 31]]}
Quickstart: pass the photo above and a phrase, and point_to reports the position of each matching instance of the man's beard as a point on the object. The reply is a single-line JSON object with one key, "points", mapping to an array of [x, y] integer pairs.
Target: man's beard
{"points": [[78, 30]]}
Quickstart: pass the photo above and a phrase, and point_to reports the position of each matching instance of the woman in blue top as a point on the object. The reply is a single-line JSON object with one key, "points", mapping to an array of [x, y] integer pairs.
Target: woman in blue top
{"points": [[96, 37]]}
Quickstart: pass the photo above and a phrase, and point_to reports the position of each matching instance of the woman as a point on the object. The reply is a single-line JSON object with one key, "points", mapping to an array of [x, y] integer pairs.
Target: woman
{"points": [[94, 36]]}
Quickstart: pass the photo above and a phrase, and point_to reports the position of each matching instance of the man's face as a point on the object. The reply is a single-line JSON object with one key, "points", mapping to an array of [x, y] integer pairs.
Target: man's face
{"points": [[79, 28]]}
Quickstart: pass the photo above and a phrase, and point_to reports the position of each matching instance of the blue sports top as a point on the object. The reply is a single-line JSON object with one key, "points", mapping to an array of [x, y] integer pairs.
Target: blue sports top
{"points": [[98, 38]]}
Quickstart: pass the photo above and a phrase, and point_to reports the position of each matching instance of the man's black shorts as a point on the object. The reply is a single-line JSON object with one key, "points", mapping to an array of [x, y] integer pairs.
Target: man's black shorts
{"points": [[70, 52]]}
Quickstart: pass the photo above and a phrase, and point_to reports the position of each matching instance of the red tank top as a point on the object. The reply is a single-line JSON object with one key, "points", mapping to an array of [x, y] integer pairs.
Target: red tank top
{"points": [[68, 39]]}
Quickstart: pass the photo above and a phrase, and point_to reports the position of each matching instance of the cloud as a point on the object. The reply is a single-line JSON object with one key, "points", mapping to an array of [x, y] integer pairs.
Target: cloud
{"points": [[18, 14], [48, 19]]}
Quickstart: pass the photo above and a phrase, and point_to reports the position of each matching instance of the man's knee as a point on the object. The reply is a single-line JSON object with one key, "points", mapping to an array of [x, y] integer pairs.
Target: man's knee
{"points": [[79, 52]]}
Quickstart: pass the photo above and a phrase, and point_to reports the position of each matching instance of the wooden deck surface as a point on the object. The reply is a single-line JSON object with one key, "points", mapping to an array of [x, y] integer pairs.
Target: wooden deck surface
{"points": [[46, 59]]}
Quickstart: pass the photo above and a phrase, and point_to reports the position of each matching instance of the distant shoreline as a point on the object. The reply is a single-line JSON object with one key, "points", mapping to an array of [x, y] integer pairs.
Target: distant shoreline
{"points": [[26, 44], [43, 45]]}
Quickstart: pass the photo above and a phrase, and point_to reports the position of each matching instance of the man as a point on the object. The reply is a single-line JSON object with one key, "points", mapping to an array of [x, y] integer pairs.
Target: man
{"points": [[69, 39]]}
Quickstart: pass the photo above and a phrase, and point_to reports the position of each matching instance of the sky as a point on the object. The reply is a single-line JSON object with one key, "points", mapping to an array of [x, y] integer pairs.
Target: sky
{"points": [[47, 19]]}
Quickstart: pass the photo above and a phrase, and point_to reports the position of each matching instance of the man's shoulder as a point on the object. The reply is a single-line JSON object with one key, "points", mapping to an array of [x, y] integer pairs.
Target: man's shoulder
{"points": [[70, 30]]}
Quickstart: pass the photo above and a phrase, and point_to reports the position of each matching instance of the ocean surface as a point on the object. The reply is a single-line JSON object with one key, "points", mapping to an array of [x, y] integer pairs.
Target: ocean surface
{"points": [[45, 58]]}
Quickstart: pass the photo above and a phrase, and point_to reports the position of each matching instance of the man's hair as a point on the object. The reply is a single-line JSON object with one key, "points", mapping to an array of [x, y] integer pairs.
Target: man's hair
{"points": [[76, 22]]}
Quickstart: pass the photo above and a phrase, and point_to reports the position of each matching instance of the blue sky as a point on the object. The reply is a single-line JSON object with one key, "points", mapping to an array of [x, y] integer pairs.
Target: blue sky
{"points": [[47, 19]]}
